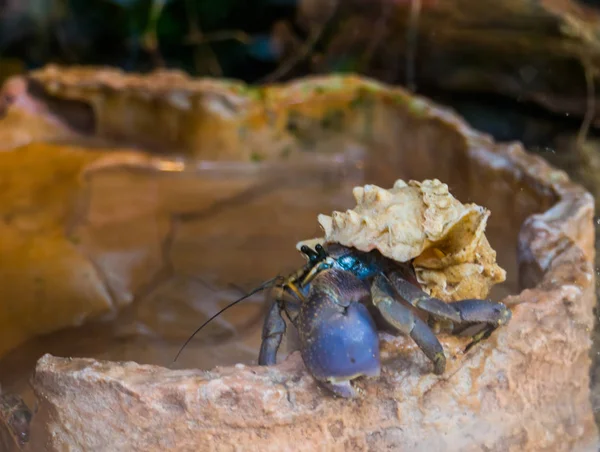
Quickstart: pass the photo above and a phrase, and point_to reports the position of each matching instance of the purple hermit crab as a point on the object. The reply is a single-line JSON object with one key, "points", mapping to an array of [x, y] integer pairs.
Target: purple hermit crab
{"points": [[412, 258], [397, 254], [329, 302]]}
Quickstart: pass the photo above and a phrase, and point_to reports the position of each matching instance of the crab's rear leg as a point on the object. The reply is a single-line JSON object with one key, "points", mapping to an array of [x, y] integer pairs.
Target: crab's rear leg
{"points": [[404, 320], [478, 318], [421, 300], [274, 326]]}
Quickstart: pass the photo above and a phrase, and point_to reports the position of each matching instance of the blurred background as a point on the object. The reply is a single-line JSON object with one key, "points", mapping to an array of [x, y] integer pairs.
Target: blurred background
{"points": [[222, 38], [520, 70], [531, 53]]}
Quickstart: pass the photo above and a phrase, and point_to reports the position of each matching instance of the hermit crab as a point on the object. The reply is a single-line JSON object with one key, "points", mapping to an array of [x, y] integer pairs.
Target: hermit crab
{"points": [[413, 257]]}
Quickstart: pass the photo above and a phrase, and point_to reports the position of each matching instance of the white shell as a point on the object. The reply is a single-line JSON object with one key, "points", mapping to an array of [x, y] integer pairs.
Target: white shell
{"points": [[421, 222]]}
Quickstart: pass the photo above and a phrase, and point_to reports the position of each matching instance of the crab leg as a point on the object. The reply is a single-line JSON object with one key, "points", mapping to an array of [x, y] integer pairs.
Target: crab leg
{"points": [[273, 331], [274, 326], [458, 312], [462, 316], [482, 311], [479, 319], [491, 312], [421, 300], [404, 320]]}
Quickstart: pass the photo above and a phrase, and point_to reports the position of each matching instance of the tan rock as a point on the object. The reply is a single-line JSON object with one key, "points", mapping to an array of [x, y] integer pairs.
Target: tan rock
{"points": [[524, 389], [42, 190], [81, 237]]}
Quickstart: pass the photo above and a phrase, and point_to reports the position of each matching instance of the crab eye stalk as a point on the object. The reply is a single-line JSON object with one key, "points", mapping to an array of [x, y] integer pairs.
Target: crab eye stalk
{"points": [[320, 251], [313, 257]]}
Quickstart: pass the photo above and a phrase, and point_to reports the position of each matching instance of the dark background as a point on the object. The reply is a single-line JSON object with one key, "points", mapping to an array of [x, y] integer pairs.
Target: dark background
{"points": [[230, 38]]}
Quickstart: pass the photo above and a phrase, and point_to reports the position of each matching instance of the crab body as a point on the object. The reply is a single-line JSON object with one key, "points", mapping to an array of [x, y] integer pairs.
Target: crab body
{"points": [[413, 257], [338, 336], [330, 300]]}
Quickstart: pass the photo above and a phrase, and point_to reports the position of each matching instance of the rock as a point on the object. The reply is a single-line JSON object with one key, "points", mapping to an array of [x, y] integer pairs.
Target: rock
{"points": [[86, 231], [524, 389], [42, 192], [170, 112], [492, 398], [84, 218]]}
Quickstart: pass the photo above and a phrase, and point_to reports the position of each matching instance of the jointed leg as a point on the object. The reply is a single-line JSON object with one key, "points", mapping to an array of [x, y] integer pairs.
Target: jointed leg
{"points": [[459, 315], [489, 315], [274, 326], [421, 300], [404, 320], [482, 311], [481, 336], [463, 311], [273, 331]]}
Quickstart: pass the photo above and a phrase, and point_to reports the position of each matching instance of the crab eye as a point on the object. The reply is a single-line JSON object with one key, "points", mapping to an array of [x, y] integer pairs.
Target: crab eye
{"points": [[312, 256], [320, 251]]}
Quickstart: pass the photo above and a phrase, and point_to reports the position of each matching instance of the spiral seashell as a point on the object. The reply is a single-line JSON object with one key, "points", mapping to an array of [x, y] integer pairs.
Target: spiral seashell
{"points": [[409, 219]]}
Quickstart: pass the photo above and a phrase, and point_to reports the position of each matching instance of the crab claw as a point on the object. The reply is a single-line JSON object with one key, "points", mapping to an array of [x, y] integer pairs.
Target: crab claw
{"points": [[342, 345], [342, 389]]}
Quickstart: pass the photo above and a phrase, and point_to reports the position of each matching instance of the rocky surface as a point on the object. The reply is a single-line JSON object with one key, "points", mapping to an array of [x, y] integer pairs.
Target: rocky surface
{"points": [[525, 389], [508, 395], [170, 112], [42, 197], [87, 219], [111, 223]]}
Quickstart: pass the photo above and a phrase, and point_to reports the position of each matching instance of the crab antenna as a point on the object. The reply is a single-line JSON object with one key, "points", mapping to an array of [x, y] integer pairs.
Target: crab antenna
{"points": [[263, 286]]}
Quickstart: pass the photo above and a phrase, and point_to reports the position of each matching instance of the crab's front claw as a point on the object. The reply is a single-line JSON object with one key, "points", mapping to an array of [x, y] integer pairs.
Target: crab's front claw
{"points": [[339, 345], [342, 388]]}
